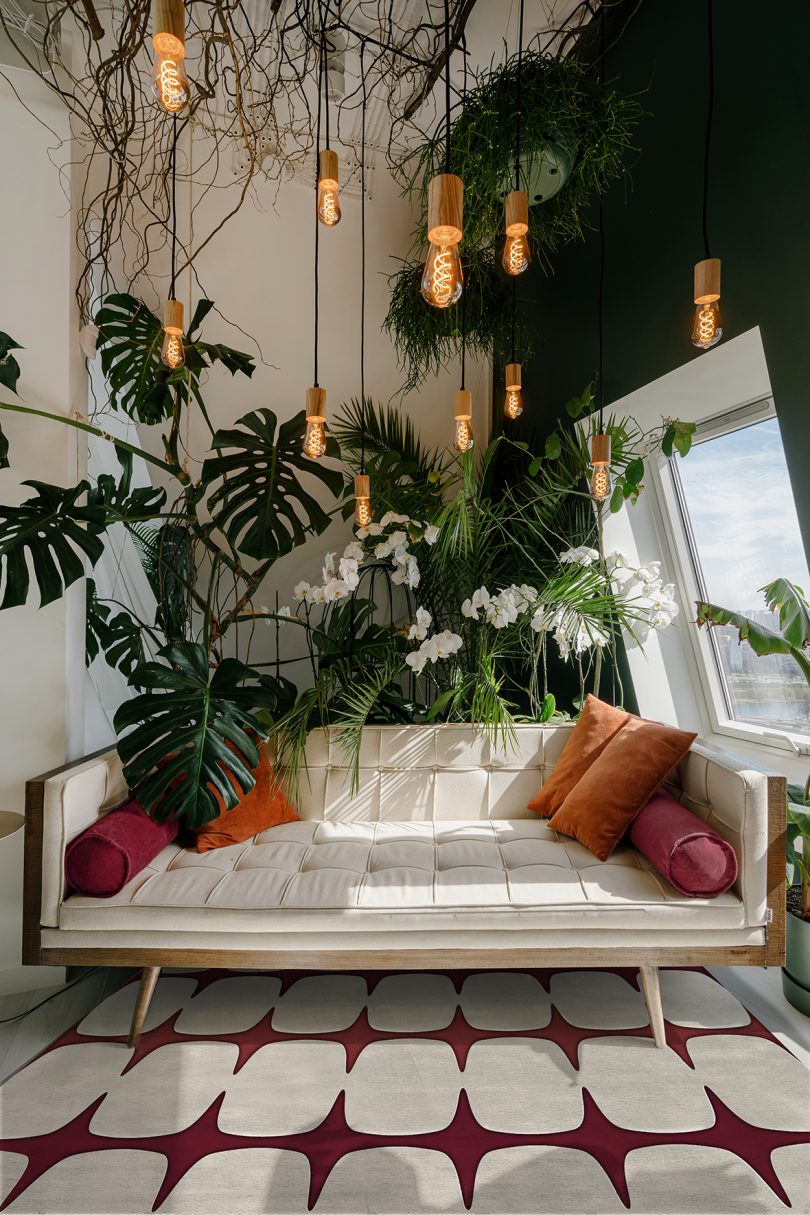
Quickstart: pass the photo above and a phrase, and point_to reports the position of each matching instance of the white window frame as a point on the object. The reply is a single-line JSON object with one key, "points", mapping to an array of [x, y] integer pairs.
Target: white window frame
{"points": [[677, 677]]}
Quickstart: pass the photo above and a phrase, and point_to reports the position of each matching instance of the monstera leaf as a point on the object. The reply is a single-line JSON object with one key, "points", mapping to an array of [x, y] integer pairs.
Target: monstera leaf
{"points": [[9, 367], [130, 338], [4, 462], [761, 639], [56, 534], [260, 503], [130, 341], [117, 636], [190, 730]]}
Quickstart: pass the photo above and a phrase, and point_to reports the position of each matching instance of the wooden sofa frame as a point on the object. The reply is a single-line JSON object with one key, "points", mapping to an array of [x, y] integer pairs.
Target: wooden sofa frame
{"points": [[771, 953]]}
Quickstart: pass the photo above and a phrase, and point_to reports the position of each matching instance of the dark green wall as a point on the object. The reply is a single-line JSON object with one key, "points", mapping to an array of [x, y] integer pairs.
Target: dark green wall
{"points": [[759, 217]]}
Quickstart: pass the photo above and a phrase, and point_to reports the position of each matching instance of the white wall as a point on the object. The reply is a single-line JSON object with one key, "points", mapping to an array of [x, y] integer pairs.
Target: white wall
{"points": [[37, 648]]}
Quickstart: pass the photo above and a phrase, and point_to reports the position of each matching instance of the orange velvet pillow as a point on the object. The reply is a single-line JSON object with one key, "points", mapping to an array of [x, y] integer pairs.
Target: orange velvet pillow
{"points": [[264, 806], [618, 784], [598, 724]]}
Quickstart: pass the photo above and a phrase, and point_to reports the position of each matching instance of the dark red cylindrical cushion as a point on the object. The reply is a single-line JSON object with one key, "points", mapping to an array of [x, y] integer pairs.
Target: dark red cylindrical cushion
{"points": [[106, 856], [692, 856]]}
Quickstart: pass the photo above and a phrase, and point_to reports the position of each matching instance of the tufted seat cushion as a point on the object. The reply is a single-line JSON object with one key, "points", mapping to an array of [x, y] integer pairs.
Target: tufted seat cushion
{"points": [[326, 875]]}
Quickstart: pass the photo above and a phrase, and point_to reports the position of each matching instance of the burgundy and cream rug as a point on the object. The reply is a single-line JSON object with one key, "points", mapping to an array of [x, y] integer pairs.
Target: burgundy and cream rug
{"points": [[500, 1092]]}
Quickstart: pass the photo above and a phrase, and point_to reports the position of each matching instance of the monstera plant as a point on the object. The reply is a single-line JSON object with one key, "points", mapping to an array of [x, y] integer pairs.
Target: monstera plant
{"points": [[208, 537]]}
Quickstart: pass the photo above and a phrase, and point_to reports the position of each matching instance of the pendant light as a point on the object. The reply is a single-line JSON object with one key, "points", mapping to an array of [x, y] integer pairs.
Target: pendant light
{"points": [[601, 485], [516, 253], [314, 445], [363, 514], [513, 401], [707, 328], [463, 438], [172, 353], [442, 280], [169, 80], [328, 202]]}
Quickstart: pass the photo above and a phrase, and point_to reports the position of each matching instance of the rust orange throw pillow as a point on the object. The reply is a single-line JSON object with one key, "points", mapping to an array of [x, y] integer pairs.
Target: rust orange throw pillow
{"points": [[264, 806], [597, 725], [618, 784]]}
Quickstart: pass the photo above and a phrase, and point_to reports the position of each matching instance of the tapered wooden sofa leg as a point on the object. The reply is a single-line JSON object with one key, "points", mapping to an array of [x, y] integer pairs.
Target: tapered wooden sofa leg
{"points": [[652, 998], [149, 978]]}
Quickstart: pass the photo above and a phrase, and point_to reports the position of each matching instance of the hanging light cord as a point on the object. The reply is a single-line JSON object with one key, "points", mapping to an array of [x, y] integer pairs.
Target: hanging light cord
{"points": [[174, 208], [601, 302], [447, 86], [709, 117], [317, 175], [519, 94], [363, 266]]}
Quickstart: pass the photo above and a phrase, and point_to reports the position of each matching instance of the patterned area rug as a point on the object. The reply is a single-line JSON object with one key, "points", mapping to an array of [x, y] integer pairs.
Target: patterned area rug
{"points": [[487, 1091]]}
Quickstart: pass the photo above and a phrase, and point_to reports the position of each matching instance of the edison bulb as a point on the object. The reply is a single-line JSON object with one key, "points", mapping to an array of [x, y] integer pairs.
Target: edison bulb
{"points": [[516, 254], [329, 212], [362, 511], [708, 327], [601, 484], [315, 438], [172, 354], [463, 440], [513, 405], [169, 80], [442, 279]]}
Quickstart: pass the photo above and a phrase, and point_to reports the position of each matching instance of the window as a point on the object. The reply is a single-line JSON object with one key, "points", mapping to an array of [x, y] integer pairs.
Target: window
{"points": [[741, 532]]}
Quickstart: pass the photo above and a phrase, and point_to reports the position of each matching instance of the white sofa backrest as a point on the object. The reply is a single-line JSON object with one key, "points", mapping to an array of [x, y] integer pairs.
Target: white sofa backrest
{"points": [[427, 772]]}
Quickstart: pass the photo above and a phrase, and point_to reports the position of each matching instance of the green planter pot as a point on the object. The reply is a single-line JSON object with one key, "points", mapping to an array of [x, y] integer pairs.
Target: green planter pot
{"points": [[796, 971]]}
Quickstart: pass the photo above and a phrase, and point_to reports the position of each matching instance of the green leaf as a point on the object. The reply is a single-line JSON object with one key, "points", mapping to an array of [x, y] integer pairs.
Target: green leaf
{"points": [[553, 446], [683, 436], [200, 313], [130, 339], [761, 639], [4, 460], [56, 535], [261, 503], [668, 441], [634, 472], [549, 707], [789, 602], [617, 498], [9, 367], [118, 636], [535, 466], [440, 704], [191, 729]]}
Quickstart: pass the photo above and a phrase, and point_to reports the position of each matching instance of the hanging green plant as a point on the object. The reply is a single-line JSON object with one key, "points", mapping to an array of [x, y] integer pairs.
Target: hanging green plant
{"points": [[574, 130]]}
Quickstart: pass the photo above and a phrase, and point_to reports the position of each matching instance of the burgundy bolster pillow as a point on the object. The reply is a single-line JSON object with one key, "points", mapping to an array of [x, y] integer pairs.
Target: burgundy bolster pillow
{"points": [[106, 856], [694, 858]]}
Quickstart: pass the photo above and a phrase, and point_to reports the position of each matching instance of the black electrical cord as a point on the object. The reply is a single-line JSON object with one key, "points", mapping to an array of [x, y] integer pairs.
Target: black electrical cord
{"points": [[514, 309], [519, 97], [47, 1000], [447, 85], [601, 302], [464, 295], [317, 175], [363, 265], [709, 117], [174, 208]]}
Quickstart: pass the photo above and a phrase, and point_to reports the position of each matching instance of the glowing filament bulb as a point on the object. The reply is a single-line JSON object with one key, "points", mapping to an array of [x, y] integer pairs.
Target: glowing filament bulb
{"points": [[513, 405], [516, 255], [172, 355], [708, 326], [169, 80], [442, 280], [464, 440], [315, 438], [328, 203], [601, 484], [362, 500]]}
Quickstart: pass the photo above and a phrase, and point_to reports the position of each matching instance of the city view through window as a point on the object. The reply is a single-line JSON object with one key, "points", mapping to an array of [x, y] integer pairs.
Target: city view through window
{"points": [[746, 533]]}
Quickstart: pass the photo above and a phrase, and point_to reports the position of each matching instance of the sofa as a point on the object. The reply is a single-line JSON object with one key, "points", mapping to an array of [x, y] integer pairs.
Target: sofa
{"points": [[435, 861]]}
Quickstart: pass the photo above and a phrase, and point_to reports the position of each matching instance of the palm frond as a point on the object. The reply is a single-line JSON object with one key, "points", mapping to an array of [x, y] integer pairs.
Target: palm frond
{"points": [[357, 702]]}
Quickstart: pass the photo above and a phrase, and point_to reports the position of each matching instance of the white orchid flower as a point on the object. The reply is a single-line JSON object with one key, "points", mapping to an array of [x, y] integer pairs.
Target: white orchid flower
{"points": [[416, 661], [431, 534], [419, 630], [301, 591]]}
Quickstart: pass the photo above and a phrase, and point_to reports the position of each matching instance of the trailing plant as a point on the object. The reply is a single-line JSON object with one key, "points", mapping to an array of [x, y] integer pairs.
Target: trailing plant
{"points": [[207, 543], [565, 112], [787, 601]]}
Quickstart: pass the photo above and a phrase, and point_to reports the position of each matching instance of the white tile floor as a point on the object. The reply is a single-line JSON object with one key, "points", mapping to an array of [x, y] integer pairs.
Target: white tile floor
{"points": [[758, 989]]}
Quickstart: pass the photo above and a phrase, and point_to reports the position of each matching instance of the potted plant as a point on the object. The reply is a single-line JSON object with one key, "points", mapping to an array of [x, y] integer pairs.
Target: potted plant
{"points": [[793, 638]]}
